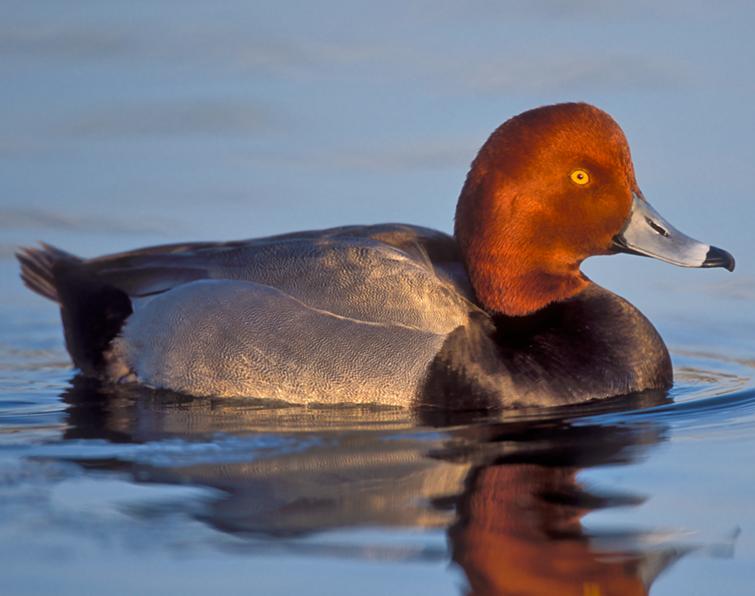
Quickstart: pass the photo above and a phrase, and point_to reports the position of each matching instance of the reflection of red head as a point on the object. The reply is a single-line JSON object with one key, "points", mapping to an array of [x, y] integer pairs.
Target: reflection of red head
{"points": [[510, 540], [548, 189]]}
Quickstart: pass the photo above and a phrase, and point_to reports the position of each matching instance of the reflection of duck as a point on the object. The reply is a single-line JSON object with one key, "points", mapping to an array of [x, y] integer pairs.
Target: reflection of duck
{"points": [[519, 533], [506, 491], [519, 526], [500, 315]]}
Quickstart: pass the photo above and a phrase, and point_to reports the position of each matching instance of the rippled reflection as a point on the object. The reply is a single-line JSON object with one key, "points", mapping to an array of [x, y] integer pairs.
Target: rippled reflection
{"points": [[507, 490]]}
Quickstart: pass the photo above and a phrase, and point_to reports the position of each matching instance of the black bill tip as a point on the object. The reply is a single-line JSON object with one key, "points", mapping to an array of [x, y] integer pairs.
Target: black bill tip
{"points": [[718, 257]]}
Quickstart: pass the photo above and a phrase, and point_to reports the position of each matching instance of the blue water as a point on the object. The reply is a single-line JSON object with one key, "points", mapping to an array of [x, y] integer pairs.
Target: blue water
{"points": [[148, 122]]}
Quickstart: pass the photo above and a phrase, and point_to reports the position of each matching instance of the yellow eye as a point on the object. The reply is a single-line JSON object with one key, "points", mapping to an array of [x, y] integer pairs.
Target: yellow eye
{"points": [[580, 177]]}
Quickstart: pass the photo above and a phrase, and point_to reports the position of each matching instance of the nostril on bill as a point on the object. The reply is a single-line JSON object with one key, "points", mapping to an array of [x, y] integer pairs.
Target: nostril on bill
{"points": [[662, 231]]}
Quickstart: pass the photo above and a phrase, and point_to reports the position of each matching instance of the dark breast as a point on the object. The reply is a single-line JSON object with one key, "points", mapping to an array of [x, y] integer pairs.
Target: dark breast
{"points": [[593, 346]]}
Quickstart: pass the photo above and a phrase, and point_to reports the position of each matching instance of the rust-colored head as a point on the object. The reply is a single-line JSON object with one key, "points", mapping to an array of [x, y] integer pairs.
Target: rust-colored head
{"points": [[549, 188]]}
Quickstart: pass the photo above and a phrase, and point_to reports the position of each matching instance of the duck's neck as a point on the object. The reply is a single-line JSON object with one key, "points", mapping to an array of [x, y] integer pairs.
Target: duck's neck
{"points": [[506, 287]]}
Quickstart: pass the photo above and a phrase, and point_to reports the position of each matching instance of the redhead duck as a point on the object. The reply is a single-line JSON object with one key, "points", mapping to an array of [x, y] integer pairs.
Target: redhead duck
{"points": [[499, 315]]}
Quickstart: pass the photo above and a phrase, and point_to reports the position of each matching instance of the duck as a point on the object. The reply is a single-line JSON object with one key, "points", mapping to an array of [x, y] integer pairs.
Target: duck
{"points": [[498, 315]]}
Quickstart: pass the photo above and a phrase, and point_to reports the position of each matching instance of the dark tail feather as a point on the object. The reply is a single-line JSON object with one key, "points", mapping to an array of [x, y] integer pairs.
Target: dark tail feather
{"points": [[37, 268], [93, 312]]}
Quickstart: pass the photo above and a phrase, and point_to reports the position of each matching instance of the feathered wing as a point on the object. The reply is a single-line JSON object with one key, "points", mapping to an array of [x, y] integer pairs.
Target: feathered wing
{"points": [[385, 273]]}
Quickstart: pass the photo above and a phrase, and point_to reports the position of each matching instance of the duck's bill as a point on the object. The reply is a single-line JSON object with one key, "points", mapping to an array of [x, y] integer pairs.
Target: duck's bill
{"points": [[647, 233]]}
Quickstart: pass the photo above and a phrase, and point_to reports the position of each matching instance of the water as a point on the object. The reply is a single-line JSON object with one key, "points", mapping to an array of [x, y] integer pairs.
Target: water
{"points": [[164, 122]]}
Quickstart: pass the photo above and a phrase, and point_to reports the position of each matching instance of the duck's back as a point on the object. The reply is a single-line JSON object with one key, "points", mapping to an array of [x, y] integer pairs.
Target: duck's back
{"points": [[343, 315], [388, 273]]}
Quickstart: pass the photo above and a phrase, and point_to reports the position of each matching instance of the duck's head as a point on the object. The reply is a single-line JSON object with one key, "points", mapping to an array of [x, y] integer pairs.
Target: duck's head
{"points": [[549, 188]]}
